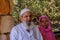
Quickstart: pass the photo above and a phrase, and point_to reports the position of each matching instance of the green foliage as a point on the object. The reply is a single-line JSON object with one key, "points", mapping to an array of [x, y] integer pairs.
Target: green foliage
{"points": [[51, 8]]}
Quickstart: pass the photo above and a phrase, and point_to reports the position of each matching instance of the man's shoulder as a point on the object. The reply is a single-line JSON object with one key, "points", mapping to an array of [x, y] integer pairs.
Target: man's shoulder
{"points": [[16, 27], [35, 26]]}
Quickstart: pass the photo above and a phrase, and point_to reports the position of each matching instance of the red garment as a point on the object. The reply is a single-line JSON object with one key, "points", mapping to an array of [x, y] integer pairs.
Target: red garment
{"points": [[46, 32]]}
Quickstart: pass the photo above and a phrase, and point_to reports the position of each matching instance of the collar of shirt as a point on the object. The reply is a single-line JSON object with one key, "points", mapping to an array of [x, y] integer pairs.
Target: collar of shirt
{"points": [[24, 29]]}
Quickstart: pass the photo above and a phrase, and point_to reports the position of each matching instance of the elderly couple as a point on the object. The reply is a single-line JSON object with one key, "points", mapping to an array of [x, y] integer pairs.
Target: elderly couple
{"points": [[26, 30]]}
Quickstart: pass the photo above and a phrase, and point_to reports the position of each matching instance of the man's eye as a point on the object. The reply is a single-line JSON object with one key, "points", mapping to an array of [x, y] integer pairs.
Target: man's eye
{"points": [[30, 15], [26, 16]]}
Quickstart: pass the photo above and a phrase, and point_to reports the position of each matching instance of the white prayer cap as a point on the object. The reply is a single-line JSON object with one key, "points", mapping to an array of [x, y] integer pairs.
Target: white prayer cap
{"points": [[23, 11]]}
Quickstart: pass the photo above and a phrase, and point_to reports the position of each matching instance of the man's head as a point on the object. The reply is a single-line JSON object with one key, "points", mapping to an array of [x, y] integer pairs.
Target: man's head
{"points": [[25, 15]]}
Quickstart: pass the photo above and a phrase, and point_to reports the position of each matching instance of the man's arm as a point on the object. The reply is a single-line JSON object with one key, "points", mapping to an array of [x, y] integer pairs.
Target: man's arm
{"points": [[39, 35], [13, 34]]}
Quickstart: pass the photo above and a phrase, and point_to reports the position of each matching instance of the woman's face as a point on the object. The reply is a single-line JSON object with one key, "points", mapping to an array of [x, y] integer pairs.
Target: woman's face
{"points": [[44, 22]]}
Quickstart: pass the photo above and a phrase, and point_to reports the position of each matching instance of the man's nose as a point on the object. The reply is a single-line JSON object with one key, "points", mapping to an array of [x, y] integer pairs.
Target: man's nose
{"points": [[29, 17]]}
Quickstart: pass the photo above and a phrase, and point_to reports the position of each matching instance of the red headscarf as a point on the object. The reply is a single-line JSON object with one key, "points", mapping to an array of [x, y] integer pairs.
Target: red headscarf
{"points": [[46, 32]]}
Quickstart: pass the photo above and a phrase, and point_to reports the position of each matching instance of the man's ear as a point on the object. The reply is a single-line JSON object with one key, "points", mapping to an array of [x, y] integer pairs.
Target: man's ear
{"points": [[20, 17]]}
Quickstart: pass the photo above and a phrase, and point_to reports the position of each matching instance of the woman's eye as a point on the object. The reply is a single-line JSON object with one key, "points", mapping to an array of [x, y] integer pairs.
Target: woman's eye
{"points": [[44, 21]]}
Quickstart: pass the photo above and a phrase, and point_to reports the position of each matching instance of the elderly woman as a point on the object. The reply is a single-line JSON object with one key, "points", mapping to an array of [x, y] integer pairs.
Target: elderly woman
{"points": [[26, 29], [45, 28]]}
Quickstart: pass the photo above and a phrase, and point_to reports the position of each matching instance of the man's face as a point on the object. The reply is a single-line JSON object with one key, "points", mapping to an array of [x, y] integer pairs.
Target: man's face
{"points": [[26, 17]]}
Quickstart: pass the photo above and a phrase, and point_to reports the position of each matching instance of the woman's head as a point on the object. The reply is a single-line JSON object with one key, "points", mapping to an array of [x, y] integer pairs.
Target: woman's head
{"points": [[44, 21]]}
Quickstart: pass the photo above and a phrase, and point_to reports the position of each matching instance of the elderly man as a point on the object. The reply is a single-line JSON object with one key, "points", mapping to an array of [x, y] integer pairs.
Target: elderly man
{"points": [[26, 29]]}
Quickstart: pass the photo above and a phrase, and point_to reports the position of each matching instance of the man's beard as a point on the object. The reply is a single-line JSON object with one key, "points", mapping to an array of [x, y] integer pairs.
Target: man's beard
{"points": [[28, 25]]}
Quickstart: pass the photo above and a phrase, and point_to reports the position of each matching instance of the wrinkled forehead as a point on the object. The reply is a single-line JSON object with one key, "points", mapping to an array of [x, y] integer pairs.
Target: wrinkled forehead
{"points": [[27, 13]]}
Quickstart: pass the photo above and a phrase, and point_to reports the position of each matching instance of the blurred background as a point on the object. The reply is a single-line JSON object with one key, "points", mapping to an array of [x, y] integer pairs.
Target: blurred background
{"points": [[9, 14]]}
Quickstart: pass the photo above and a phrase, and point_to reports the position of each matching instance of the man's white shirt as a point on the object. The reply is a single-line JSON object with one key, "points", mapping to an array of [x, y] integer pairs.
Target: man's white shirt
{"points": [[19, 33]]}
